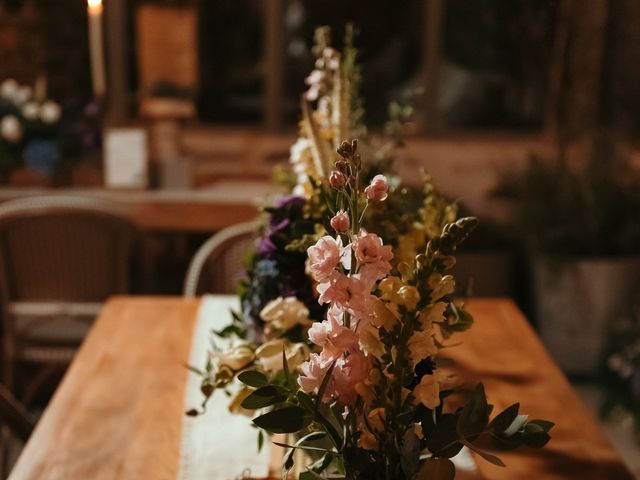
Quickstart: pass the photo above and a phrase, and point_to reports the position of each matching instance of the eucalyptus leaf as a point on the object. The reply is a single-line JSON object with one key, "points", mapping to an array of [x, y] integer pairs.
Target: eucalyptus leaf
{"points": [[289, 419], [504, 419], [264, 397], [253, 378], [305, 401]]}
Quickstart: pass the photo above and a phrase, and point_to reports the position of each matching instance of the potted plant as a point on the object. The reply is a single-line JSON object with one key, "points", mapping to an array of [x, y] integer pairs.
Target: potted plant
{"points": [[580, 224]]}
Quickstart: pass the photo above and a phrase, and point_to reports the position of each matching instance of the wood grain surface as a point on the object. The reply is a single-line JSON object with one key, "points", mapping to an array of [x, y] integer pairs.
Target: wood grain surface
{"points": [[118, 412]]}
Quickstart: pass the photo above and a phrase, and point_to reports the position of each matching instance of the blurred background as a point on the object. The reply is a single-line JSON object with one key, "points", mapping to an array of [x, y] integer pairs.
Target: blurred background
{"points": [[178, 111]]}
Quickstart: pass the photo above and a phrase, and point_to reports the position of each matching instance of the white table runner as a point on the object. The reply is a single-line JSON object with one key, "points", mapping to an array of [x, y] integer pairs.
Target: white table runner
{"points": [[222, 446], [216, 445]]}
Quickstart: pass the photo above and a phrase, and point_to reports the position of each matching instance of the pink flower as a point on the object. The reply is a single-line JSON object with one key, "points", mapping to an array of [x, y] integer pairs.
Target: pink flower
{"points": [[324, 256], [340, 222], [337, 179], [346, 292], [378, 188], [313, 371], [372, 255], [350, 370], [333, 336]]}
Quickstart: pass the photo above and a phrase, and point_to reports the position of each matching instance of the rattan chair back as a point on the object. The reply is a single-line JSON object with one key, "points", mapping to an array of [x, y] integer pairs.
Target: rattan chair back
{"points": [[219, 263]]}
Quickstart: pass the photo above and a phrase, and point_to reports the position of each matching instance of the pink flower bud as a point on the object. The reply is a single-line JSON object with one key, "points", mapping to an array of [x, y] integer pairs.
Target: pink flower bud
{"points": [[340, 222], [378, 188], [337, 179]]}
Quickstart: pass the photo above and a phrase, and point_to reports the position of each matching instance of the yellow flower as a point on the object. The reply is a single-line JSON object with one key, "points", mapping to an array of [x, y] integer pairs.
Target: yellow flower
{"points": [[383, 315], [369, 339], [409, 244], [367, 440], [433, 313], [421, 346], [410, 296], [427, 392], [376, 419], [440, 285], [389, 287]]}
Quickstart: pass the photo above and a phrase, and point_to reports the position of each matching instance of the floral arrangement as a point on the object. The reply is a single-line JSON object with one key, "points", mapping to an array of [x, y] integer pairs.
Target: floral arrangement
{"points": [[347, 303], [29, 129]]}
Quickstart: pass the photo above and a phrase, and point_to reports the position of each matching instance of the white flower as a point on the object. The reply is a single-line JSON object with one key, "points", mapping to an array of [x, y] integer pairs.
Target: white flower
{"points": [[30, 110], [8, 89], [50, 112], [269, 354], [22, 95], [299, 149], [11, 129], [285, 313], [236, 357]]}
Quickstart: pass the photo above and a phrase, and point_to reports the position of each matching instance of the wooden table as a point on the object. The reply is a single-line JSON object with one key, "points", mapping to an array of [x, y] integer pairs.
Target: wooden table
{"points": [[199, 210], [118, 412]]}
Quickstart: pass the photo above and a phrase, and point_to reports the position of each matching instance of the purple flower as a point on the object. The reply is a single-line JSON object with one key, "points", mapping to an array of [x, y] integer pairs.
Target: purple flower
{"points": [[289, 199], [266, 246]]}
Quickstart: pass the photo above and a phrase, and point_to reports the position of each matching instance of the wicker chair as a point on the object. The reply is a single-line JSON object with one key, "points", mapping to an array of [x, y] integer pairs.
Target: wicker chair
{"points": [[218, 264], [60, 258], [15, 423]]}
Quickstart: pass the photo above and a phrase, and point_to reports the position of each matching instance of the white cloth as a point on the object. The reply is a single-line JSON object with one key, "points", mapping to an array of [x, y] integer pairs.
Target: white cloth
{"points": [[216, 445]]}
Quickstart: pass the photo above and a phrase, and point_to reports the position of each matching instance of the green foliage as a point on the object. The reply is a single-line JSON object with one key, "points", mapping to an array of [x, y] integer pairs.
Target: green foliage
{"points": [[591, 211]]}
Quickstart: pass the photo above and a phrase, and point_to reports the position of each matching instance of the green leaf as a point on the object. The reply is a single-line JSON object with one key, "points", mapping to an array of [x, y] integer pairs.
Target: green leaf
{"points": [[545, 425], [443, 439], [311, 437], [260, 440], [253, 378], [504, 419], [534, 435], [437, 469], [324, 384], [264, 397], [474, 416], [309, 475], [284, 420], [305, 401], [230, 331], [323, 463], [486, 455], [285, 368]]}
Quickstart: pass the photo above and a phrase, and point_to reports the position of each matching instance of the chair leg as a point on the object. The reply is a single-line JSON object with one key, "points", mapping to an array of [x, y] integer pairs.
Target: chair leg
{"points": [[4, 451], [34, 385]]}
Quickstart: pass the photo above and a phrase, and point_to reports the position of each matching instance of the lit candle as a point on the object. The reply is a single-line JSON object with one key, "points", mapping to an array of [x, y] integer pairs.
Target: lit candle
{"points": [[94, 10]]}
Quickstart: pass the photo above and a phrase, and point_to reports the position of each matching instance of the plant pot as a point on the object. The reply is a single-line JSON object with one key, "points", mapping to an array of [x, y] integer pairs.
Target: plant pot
{"points": [[575, 302]]}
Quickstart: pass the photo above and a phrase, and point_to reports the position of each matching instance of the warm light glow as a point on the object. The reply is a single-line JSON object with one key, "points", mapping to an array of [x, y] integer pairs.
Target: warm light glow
{"points": [[94, 6]]}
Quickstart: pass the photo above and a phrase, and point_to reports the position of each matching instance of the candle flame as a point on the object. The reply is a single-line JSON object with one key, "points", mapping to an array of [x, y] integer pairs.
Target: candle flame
{"points": [[94, 5]]}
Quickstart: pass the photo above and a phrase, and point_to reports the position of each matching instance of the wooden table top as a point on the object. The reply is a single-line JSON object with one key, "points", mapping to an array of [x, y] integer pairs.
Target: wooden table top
{"points": [[118, 412], [207, 209]]}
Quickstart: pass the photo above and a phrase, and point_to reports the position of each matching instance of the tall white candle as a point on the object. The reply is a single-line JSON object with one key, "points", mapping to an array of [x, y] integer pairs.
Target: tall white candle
{"points": [[96, 50]]}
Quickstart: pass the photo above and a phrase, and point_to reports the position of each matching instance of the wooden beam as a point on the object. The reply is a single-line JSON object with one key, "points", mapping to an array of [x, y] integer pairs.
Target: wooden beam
{"points": [[431, 48], [273, 64], [117, 62]]}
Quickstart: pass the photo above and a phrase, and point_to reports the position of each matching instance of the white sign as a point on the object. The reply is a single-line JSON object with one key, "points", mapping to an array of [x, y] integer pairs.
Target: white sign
{"points": [[126, 158]]}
